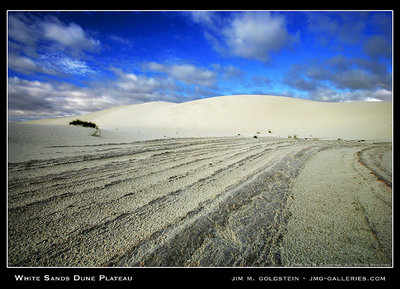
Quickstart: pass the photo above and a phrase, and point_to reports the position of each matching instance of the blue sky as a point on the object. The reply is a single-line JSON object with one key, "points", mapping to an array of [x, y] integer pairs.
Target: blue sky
{"points": [[69, 63]]}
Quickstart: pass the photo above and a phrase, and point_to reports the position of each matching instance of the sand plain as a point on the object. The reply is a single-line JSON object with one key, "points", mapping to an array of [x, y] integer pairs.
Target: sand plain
{"points": [[184, 195]]}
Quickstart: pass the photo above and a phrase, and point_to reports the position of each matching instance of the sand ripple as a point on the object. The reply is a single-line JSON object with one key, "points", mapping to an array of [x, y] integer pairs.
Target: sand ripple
{"points": [[172, 202]]}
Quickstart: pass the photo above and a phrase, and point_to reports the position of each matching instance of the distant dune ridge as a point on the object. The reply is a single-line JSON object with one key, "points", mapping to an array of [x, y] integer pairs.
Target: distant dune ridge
{"points": [[249, 114]]}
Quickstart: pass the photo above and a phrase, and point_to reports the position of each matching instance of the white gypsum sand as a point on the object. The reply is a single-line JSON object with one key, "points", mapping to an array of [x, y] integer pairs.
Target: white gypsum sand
{"points": [[174, 185], [340, 215], [248, 114]]}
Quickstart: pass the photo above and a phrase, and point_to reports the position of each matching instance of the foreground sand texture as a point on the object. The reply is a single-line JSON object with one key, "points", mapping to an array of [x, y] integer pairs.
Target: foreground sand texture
{"points": [[137, 196], [340, 215], [202, 202]]}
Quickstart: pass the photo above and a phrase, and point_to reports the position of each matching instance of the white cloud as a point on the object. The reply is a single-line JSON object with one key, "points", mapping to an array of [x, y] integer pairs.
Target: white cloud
{"points": [[203, 17], [74, 66], [378, 46], [21, 28], [32, 31], [191, 74], [46, 45], [120, 40], [330, 95], [71, 35], [186, 73], [251, 35], [138, 84], [27, 65], [255, 35], [62, 63], [380, 94], [50, 64], [49, 99], [352, 79]]}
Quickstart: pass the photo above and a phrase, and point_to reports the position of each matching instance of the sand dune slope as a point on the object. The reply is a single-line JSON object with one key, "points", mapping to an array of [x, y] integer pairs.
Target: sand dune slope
{"points": [[248, 114]]}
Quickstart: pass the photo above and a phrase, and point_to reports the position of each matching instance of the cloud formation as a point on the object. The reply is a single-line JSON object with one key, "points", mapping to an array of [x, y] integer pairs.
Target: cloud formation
{"points": [[70, 35], [187, 73], [250, 35], [353, 78], [255, 35], [39, 99], [378, 46], [46, 45]]}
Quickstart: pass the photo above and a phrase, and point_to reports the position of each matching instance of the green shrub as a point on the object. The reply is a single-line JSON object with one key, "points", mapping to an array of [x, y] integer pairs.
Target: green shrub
{"points": [[83, 123], [79, 122]]}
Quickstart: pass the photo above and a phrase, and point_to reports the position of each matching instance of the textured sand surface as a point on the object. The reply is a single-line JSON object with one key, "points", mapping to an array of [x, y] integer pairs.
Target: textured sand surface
{"points": [[340, 215], [187, 185], [200, 202]]}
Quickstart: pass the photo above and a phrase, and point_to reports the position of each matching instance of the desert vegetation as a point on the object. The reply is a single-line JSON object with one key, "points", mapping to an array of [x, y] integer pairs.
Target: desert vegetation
{"points": [[78, 122]]}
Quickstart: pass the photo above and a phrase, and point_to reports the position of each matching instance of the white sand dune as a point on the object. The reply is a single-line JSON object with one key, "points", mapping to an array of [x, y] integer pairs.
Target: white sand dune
{"points": [[247, 115]]}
